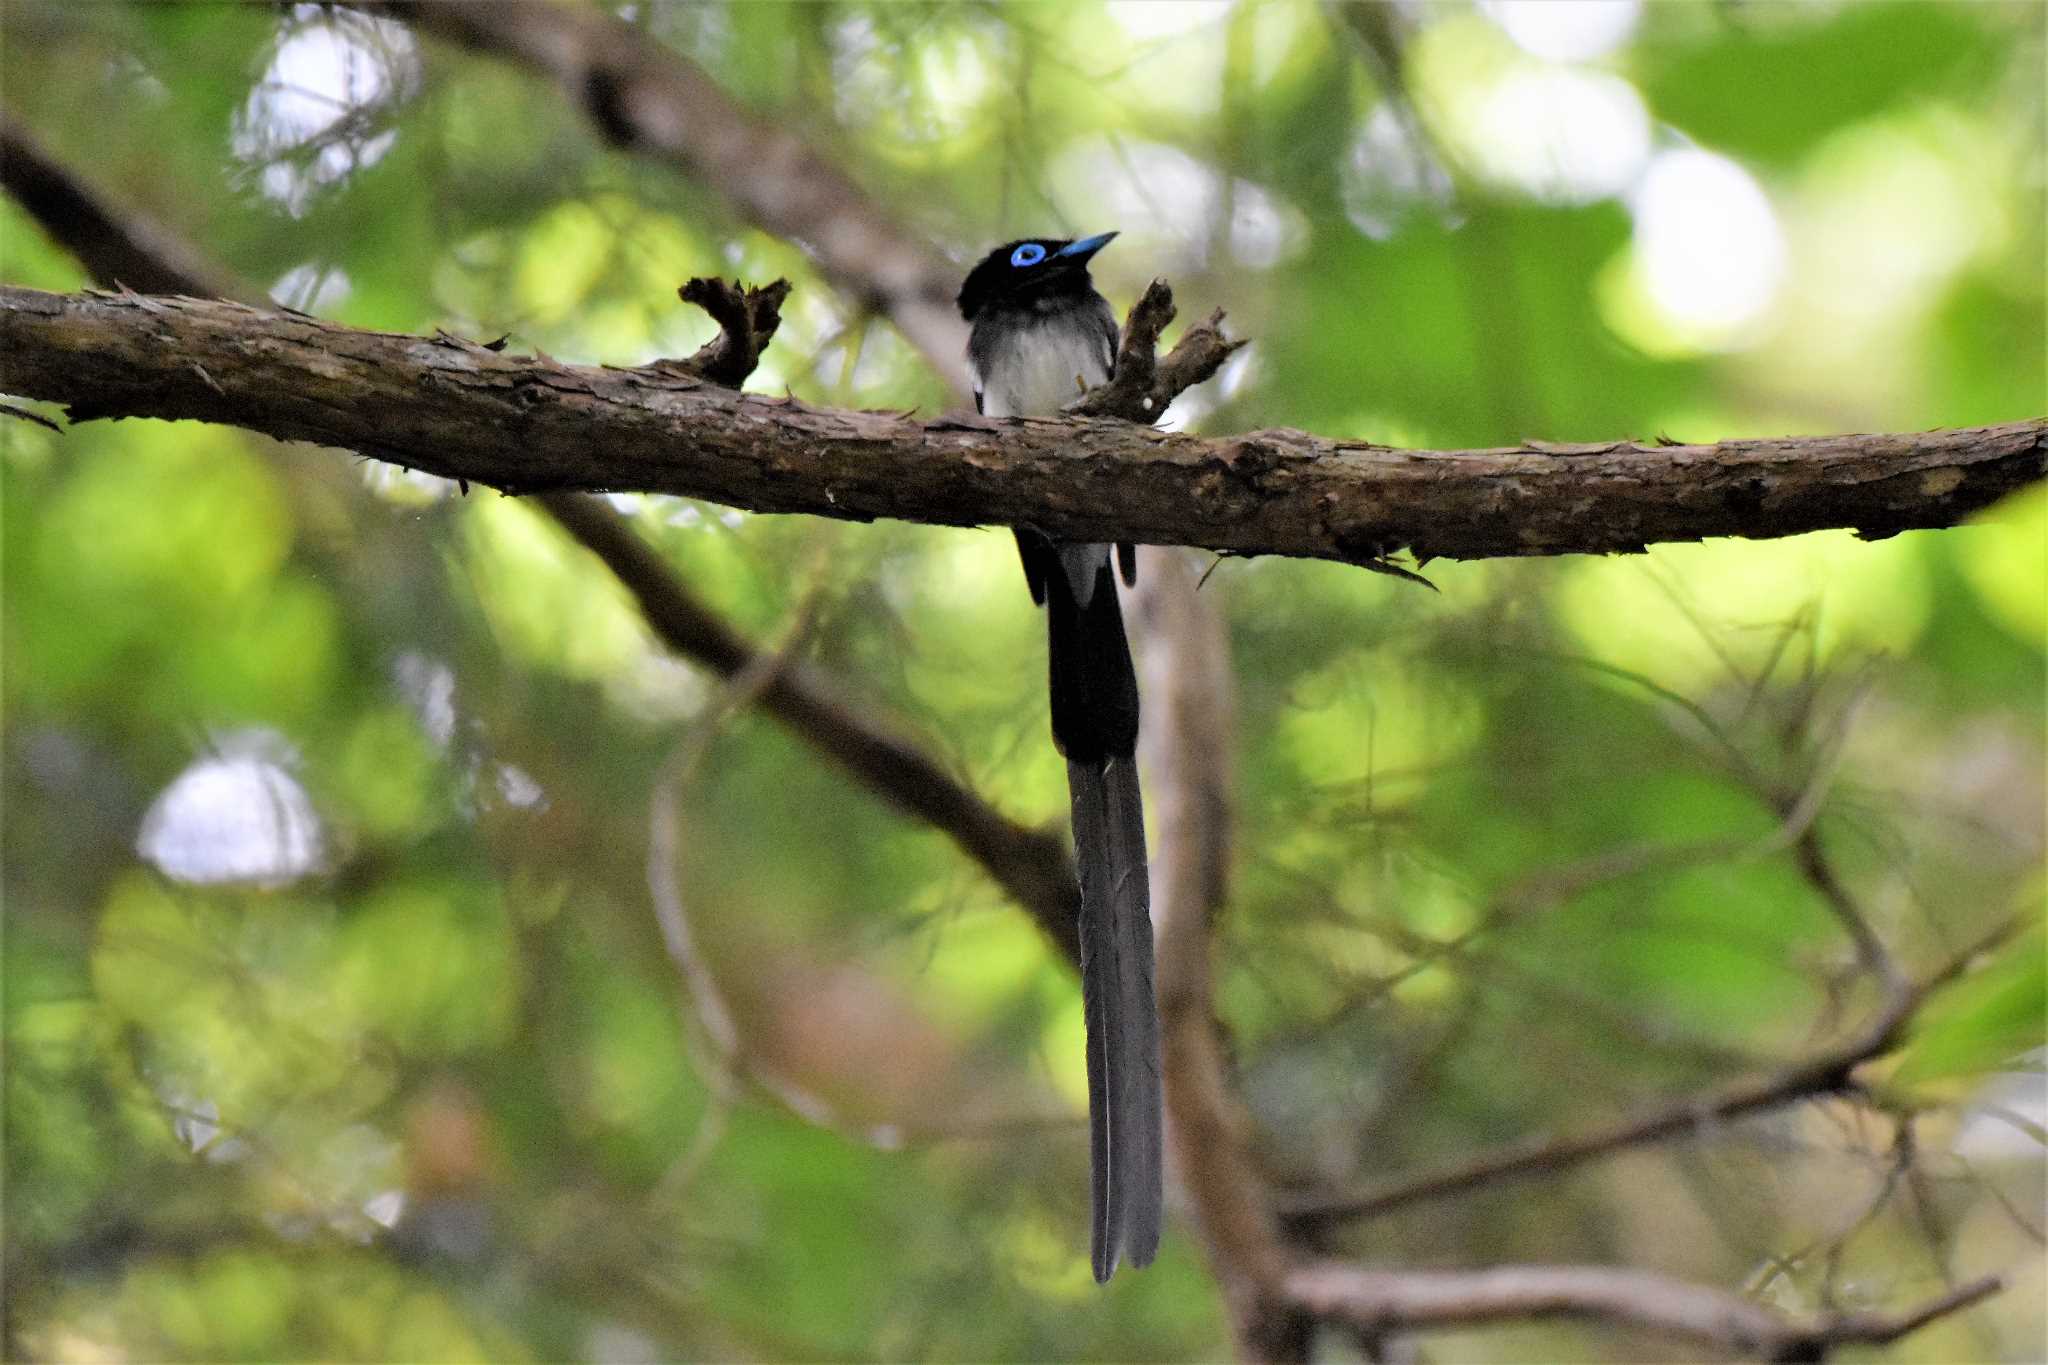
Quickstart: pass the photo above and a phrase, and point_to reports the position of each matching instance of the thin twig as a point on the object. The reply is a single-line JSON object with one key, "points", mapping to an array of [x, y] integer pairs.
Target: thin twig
{"points": [[664, 884], [1032, 865], [23, 414], [1826, 1072], [747, 317], [1380, 1301]]}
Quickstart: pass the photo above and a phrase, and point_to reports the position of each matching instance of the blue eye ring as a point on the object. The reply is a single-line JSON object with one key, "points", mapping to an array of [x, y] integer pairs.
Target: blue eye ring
{"points": [[1027, 254]]}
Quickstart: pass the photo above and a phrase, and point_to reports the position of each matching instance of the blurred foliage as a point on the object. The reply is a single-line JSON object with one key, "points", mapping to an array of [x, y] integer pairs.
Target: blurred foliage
{"points": [[339, 1022]]}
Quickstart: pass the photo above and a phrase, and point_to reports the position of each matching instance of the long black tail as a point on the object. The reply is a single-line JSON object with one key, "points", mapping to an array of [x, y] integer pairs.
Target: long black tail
{"points": [[1095, 723]]}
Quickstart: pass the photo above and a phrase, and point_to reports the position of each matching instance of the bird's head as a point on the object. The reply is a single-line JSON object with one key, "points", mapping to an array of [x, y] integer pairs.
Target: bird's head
{"points": [[1023, 273]]}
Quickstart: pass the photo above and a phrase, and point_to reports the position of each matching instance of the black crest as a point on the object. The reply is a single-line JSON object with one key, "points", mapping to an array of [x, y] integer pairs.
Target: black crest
{"points": [[1029, 269]]}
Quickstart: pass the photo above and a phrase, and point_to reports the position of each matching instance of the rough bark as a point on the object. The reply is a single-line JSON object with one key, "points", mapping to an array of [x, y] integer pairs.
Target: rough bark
{"points": [[530, 423]]}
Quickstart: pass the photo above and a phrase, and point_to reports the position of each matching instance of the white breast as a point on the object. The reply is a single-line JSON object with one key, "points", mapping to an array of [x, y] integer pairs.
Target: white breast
{"points": [[1035, 372]]}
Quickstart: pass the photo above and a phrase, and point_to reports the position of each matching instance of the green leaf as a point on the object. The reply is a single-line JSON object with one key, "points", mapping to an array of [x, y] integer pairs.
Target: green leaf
{"points": [[1777, 80], [1987, 1020]]}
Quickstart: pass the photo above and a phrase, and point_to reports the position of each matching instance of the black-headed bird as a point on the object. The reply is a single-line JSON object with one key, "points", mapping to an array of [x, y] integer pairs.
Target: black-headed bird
{"points": [[1041, 337]]}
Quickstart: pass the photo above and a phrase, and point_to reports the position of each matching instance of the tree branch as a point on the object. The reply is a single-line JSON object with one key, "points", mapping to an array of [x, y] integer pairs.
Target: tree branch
{"points": [[1143, 385], [119, 250], [747, 318], [448, 408], [1030, 864], [1188, 731], [1378, 1301], [1827, 1072]]}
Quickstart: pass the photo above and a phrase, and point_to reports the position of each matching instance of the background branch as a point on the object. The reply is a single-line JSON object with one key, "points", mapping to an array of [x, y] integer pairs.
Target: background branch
{"points": [[1383, 1301], [653, 100], [120, 250], [1189, 729], [1032, 865], [1827, 1072]]}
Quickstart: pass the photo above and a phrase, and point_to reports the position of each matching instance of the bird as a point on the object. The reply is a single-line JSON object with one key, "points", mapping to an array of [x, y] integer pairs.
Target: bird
{"points": [[1040, 336]]}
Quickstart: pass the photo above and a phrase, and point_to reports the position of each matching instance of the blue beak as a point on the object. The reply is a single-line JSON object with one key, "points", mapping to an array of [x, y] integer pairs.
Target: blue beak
{"points": [[1083, 249]]}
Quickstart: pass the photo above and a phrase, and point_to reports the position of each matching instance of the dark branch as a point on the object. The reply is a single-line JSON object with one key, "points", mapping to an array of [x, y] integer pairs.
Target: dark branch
{"points": [[1030, 864], [448, 409], [1144, 385], [1827, 1072], [747, 318], [1381, 1301], [1187, 739], [117, 250], [24, 415]]}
